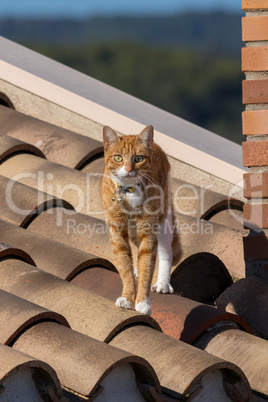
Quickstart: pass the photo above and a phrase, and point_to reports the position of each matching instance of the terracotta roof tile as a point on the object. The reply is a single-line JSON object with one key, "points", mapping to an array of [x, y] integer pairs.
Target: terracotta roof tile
{"points": [[82, 363], [17, 314], [247, 351], [199, 235], [64, 261], [95, 166], [7, 251], [232, 218], [10, 146], [179, 317], [200, 202], [57, 144], [249, 299], [18, 374], [77, 188], [91, 235], [86, 312], [20, 203], [81, 231], [179, 366]]}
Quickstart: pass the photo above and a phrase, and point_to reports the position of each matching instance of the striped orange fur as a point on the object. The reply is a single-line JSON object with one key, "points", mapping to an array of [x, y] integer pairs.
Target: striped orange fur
{"points": [[136, 197]]}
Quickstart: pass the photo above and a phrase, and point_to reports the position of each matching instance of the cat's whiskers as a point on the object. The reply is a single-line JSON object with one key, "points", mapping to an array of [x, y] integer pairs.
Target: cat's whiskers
{"points": [[151, 180]]}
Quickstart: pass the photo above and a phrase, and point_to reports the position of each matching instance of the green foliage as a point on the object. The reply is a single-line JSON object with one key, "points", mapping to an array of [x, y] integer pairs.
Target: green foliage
{"points": [[198, 87]]}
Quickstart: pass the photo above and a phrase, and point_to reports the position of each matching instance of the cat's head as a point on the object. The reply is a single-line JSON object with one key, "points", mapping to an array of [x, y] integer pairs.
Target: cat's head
{"points": [[127, 157]]}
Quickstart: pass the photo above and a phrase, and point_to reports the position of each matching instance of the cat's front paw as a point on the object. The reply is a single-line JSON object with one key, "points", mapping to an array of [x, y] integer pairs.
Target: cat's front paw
{"points": [[123, 302], [162, 287], [143, 307]]}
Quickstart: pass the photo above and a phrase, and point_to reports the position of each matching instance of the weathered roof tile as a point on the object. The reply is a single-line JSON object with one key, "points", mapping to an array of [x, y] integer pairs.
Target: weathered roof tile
{"points": [[18, 374], [179, 366], [179, 317], [248, 298], [86, 312], [20, 203], [16, 314], [49, 255], [57, 144], [82, 363], [7, 251], [247, 351]]}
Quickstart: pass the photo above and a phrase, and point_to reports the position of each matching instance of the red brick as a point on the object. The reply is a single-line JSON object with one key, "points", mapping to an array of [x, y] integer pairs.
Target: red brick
{"points": [[255, 28], [255, 58], [255, 91], [256, 215], [255, 122], [256, 247], [256, 185], [255, 153], [254, 4]]}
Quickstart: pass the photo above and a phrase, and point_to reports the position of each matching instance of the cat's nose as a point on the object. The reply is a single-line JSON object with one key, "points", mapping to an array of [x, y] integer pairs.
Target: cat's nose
{"points": [[128, 169]]}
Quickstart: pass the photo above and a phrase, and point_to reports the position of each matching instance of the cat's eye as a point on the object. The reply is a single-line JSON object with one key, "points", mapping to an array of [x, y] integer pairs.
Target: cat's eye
{"points": [[118, 158], [138, 158]]}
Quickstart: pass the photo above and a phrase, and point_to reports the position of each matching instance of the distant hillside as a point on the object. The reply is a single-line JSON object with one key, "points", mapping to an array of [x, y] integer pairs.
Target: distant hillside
{"points": [[213, 33]]}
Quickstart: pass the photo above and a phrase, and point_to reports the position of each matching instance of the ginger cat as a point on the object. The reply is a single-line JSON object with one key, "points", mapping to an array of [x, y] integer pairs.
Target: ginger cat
{"points": [[136, 198]]}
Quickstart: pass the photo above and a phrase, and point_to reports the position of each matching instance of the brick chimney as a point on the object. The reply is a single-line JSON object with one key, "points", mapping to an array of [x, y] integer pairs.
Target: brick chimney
{"points": [[255, 131]]}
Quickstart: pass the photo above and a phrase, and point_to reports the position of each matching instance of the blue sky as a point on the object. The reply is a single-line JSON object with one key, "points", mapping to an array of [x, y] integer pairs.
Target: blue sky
{"points": [[80, 8]]}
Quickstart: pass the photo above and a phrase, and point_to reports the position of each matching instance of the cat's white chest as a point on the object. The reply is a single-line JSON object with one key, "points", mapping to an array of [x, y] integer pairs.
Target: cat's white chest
{"points": [[135, 198]]}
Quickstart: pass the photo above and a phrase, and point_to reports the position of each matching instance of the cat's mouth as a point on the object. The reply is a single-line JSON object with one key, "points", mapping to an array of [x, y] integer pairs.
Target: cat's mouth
{"points": [[126, 180]]}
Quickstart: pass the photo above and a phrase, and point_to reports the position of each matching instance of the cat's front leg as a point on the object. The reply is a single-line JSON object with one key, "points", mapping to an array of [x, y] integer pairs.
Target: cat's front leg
{"points": [[124, 264], [164, 250], [146, 265]]}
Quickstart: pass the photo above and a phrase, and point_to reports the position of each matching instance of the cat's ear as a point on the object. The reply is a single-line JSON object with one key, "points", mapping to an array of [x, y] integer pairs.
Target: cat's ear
{"points": [[147, 136], [109, 137]]}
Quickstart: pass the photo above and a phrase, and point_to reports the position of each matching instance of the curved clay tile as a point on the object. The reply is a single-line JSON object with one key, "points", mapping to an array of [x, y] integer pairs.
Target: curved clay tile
{"points": [[86, 312], [80, 231], [95, 165], [17, 314], [11, 146], [198, 235], [7, 251], [201, 277], [249, 352], [232, 218], [49, 255], [20, 203], [193, 200], [179, 317], [101, 281], [58, 144], [181, 368], [81, 190], [17, 374], [85, 365], [222, 205], [248, 298], [91, 235]]}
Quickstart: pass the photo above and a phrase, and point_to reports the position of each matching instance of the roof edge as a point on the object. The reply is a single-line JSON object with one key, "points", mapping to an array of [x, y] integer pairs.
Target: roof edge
{"points": [[101, 103]]}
